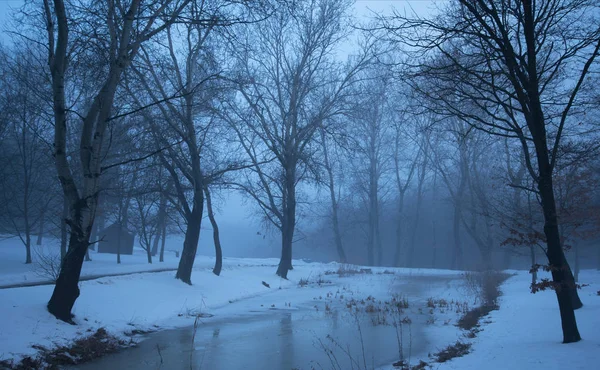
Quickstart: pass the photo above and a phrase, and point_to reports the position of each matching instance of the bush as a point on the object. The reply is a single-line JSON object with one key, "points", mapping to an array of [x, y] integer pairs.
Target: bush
{"points": [[47, 264]]}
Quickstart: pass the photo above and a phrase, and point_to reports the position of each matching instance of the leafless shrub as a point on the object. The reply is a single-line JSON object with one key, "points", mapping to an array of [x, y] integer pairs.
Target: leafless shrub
{"points": [[47, 263], [346, 269], [484, 286]]}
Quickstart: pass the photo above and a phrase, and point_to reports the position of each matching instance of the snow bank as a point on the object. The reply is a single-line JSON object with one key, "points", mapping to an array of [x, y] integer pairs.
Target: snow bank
{"points": [[526, 333]]}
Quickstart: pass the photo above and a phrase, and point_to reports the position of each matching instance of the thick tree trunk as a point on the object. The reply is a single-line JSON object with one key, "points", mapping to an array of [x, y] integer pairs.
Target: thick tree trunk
{"points": [[572, 282], [216, 239], [285, 263], [66, 289], [192, 236], [149, 254], [536, 122], [27, 249], [556, 257], [288, 223]]}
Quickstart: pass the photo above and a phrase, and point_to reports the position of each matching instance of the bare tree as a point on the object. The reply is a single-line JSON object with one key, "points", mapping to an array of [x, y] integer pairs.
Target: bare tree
{"points": [[334, 194], [289, 86], [182, 79], [519, 66], [123, 28]]}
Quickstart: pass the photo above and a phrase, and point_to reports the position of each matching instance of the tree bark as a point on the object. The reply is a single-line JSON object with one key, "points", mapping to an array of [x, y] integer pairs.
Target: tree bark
{"points": [[40, 235], [457, 262], [399, 226], [556, 257], [149, 254], [163, 242], [572, 282], [337, 235], [288, 222], [533, 263], [156, 240], [66, 290], [63, 229], [216, 239], [577, 266], [27, 249], [413, 235], [100, 222], [192, 236]]}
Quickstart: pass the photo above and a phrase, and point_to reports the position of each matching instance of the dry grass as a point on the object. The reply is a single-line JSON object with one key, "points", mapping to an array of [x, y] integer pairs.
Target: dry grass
{"points": [[457, 349], [82, 350]]}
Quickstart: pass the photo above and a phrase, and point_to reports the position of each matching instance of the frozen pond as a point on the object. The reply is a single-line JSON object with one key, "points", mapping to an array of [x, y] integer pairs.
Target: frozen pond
{"points": [[297, 338]]}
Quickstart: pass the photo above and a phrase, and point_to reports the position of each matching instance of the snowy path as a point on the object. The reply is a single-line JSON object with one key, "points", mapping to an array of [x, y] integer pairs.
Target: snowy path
{"points": [[83, 278]]}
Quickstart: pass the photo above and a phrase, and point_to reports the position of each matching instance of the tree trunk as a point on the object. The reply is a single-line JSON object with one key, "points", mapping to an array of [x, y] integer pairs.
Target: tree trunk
{"points": [[533, 263], [378, 243], [149, 254], [457, 262], [66, 290], [119, 243], [434, 223], [288, 223], [87, 255], [156, 240], [40, 235], [63, 229], [285, 263], [576, 274], [27, 249], [337, 235], [399, 226], [163, 242], [572, 282], [99, 223], [556, 257], [216, 239], [162, 218], [413, 235], [192, 236]]}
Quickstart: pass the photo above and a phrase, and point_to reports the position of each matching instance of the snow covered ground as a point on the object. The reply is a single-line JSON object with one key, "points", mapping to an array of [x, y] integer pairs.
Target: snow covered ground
{"points": [[156, 300], [13, 270], [524, 333]]}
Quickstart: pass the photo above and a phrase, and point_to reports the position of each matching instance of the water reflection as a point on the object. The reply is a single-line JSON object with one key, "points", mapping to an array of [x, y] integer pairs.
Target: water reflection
{"points": [[271, 340]]}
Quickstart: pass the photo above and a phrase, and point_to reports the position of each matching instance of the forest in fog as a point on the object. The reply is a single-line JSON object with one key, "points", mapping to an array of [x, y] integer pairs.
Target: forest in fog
{"points": [[467, 139]]}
